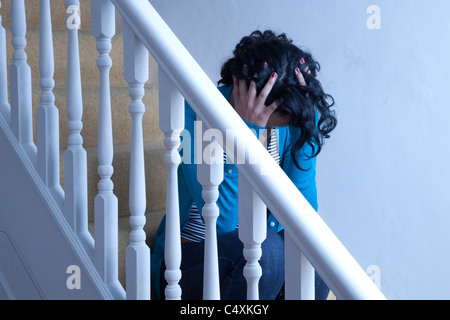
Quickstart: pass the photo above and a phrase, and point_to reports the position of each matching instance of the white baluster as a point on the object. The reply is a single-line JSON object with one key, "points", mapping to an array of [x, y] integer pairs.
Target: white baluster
{"points": [[105, 203], [75, 163], [299, 273], [171, 122], [47, 115], [20, 79], [137, 253], [210, 175], [4, 104], [252, 232]]}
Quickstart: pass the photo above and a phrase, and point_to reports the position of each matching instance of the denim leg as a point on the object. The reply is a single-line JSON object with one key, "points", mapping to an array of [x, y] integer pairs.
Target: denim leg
{"points": [[233, 285], [232, 263], [322, 289]]}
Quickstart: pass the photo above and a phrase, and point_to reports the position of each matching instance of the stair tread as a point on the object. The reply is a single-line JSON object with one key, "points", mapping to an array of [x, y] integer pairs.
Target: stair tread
{"points": [[88, 56], [121, 119], [155, 173]]}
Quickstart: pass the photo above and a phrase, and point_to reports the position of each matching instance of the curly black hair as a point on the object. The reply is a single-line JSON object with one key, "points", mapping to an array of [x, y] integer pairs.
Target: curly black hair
{"points": [[264, 53]]}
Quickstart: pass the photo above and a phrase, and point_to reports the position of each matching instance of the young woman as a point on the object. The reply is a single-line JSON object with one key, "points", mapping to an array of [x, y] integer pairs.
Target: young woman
{"points": [[272, 85]]}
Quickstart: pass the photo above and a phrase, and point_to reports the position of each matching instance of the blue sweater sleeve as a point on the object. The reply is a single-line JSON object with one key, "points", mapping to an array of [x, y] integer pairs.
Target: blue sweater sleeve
{"points": [[304, 178]]}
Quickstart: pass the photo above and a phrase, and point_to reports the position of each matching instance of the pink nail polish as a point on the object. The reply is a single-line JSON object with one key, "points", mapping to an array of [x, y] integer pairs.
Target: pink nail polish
{"points": [[302, 61], [297, 70], [274, 75], [264, 64]]}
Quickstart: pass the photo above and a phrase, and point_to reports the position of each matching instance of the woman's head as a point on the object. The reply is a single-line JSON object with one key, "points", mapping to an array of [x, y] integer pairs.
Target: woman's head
{"points": [[260, 54]]}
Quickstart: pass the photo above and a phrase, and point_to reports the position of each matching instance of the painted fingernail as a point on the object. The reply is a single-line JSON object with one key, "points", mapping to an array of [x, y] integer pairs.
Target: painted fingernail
{"points": [[264, 64], [274, 75], [302, 61], [297, 70]]}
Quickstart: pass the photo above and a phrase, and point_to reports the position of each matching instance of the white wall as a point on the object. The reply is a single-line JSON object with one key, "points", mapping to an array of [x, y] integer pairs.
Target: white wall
{"points": [[383, 178]]}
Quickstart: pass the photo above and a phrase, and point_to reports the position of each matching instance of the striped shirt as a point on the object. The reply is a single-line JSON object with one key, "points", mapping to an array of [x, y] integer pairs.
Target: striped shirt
{"points": [[194, 230]]}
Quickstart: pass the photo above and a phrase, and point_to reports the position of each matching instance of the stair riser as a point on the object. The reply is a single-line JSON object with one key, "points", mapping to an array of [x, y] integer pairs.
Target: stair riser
{"points": [[155, 173], [88, 57], [121, 119], [58, 11]]}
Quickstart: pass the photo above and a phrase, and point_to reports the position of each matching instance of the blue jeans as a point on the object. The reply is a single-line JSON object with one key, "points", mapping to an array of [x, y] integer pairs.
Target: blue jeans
{"points": [[233, 285]]}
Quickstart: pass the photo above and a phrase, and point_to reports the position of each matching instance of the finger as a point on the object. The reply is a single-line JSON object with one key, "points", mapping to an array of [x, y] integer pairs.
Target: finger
{"points": [[243, 90], [268, 87], [252, 88], [300, 78], [272, 107]]}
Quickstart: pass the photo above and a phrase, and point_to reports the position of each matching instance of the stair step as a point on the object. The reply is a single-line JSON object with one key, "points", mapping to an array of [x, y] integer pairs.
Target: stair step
{"points": [[154, 149], [155, 177], [121, 119], [88, 57], [150, 228]]}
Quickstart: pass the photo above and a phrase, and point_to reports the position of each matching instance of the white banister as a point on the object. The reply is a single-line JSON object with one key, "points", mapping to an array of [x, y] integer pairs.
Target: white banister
{"points": [[75, 161], [105, 203], [137, 253], [252, 232], [210, 176], [47, 115], [314, 238], [309, 243], [171, 123], [299, 273], [5, 108], [20, 80]]}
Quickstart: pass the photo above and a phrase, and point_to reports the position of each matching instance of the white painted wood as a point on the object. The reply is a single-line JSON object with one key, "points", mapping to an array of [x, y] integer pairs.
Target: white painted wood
{"points": [[299, 273], [137, 253], [321, 247], [210, 175], [171, 123], [309, 233], [75, 163], [252, 232], [14, 279], [5, 108], [105, 203], [20, 80], [47, 115], [43, 240]]}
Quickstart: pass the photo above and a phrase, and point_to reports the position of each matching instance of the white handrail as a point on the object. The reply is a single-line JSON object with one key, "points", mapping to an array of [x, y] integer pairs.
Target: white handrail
{"points": [[309, 232]]}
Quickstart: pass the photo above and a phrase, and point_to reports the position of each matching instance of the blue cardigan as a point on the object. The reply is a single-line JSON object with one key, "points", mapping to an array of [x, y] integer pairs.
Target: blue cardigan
{"points": [[189, 189]]}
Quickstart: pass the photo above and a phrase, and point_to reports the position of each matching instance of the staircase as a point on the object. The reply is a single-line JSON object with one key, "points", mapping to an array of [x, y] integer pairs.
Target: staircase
{"points": [[45, 229], [155, 170]]}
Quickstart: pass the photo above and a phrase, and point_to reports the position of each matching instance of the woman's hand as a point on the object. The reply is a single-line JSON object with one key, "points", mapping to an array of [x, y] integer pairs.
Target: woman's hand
{"points": [[251, 107], [299, 75]]}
